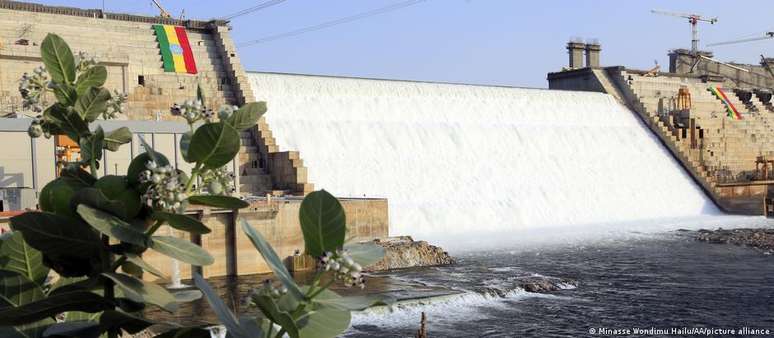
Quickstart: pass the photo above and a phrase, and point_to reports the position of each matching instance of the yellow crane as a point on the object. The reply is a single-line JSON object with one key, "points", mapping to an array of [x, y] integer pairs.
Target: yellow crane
{"points": [[164, 13]]}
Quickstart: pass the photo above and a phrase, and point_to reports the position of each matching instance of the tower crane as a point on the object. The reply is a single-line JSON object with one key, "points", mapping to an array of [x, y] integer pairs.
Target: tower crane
{"points": [[764, 60], [164, 13], [694, 20], [766, 36]]}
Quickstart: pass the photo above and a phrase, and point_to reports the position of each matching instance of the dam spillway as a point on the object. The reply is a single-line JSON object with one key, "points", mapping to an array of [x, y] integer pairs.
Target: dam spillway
{"points": [[456, 158]]}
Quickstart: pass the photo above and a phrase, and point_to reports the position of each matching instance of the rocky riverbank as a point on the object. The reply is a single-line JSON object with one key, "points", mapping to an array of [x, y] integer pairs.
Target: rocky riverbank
{"points": [[761, 239], [404, 252]]}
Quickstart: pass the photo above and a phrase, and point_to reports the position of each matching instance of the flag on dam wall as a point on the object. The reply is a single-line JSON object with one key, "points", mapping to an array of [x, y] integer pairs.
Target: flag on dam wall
{"points": [[730, 108], [175, 49]]}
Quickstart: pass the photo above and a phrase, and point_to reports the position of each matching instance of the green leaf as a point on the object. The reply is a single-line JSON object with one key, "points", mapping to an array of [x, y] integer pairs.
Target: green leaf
{"points": [[65, 94], [272, 260], [78, 174], [273, 313], [123, 320], [35, 329], [94, 198], [323, 223], [247, 116], [137, 260], [54, 304], [132, 269], [112, 226], [80, 329], [67, 120], [74, 316], [91, 146], [365, 254], [114, 139], [11, 332], [187, 296], [92, 103], [149, 149], [186, 332], [252, 324], [138, 164], [214, 145], [57, 194], [17, 290], [182, 222], [225, 202], [225, 316], [143, 292], [324, 322], [58, 59], [331, 299], [185, 143], [181, 250], [67, 283], [111, 186], [92, 77], [288, 302], [17, 256], [57, 235]]}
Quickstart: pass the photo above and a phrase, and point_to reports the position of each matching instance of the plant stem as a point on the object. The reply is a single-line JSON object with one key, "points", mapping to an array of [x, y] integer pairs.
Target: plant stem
{"points": [[148, 233], [314, 284], [322, 288], [154, 227], [194, 176], [108, 291], [280, 333], [271, 329], [93, 167], [118, 263]]}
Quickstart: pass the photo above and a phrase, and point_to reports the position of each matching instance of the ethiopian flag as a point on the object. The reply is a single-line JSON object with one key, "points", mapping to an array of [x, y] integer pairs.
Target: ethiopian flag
{"points": [[175, 49], [730, 108]]}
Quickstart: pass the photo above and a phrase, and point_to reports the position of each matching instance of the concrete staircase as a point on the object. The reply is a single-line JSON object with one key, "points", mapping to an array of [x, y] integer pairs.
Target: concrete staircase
{"points": [[724, 146], [253, 179], [286, 168]]}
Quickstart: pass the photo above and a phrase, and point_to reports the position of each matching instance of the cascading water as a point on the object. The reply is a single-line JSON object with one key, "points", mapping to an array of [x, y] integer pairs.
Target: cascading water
{"points": [[452, 159]]}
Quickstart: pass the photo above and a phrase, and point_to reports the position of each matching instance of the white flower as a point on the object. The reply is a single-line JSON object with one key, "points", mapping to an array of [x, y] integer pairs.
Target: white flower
{"points": [[343, 267], [166, 191]]}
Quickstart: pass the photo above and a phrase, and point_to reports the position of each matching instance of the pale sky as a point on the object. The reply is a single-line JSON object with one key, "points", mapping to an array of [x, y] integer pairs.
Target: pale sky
{"points": [[499, 42]]}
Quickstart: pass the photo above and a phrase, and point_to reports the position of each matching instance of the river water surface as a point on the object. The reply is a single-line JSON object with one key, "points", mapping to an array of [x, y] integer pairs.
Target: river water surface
{"points": [[657, 281]]}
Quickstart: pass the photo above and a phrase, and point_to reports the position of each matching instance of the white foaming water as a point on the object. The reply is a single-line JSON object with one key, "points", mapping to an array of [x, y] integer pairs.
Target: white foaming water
{"points": [[453, 308], [454, 159]]}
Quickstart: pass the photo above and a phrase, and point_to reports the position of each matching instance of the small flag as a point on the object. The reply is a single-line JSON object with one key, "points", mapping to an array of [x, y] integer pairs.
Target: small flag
{"points": [[175, 49]]}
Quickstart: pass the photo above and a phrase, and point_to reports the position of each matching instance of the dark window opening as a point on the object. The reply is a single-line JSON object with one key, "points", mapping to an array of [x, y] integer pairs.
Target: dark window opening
{"points": [[141, 80], [2, 207]]}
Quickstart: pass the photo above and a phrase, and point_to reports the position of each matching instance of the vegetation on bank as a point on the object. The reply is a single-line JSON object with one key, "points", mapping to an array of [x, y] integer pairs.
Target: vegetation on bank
{"points": [[92, 231]]}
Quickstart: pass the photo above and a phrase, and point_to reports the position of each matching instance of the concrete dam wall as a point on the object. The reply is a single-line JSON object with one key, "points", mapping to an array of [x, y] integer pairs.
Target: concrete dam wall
{"points": [[455, 158]]}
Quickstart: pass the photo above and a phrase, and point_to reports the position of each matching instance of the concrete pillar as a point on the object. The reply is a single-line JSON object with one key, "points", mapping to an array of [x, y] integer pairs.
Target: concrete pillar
{"points": [[575, 49], [592, 54], [681, 61]]}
